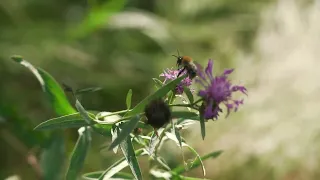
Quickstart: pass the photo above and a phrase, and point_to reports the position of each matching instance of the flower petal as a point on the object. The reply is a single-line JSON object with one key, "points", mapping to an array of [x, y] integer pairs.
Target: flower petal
{"points": [[227, 71], [209, 69]]}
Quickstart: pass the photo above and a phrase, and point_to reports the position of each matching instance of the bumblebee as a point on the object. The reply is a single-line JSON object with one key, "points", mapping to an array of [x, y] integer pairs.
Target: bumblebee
{"points": [[185, 63]]}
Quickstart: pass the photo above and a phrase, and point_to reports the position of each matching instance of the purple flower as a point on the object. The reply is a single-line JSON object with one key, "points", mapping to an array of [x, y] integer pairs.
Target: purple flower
{"points": [[217, 90], [171, 74]]}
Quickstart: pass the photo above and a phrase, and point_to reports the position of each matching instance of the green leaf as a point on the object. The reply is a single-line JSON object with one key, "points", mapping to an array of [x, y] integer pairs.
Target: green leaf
{"points": [[103, 129], [53, 158], [125, 131], [87, 90], [114, 133], [50, 86], [181, 169], [84, 114], [128, 99], [74, 120], [185, 115], [117, 166], [157, 82], [189, 94], [79, 153], [128, 151], [202, 122], [97, 17], [158, 94], [96, 175]]}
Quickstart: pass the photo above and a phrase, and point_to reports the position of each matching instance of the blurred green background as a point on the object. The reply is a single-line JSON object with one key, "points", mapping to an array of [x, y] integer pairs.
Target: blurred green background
{"points": [[118, 45]]}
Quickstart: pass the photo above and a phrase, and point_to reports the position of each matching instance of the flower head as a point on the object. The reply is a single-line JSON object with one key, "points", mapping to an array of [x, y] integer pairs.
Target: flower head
{"points": [[217, 90], [170, 74]]}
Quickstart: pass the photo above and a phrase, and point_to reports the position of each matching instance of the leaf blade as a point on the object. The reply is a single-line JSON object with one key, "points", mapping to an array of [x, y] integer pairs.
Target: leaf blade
{"points": [[128, 152], [79, 153], [125, 132], [128, 99], [68, 121]]}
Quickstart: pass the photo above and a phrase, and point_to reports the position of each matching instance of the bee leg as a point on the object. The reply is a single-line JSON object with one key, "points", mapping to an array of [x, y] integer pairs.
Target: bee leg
{"points": [[181, 71]]}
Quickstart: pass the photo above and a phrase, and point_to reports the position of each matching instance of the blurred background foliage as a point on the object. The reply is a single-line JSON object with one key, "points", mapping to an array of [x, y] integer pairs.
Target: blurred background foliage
{"points": [[116, 45]]}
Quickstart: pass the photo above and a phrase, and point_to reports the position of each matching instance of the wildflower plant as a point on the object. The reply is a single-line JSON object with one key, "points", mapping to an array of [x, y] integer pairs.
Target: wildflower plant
{"points": [[129, 129]]}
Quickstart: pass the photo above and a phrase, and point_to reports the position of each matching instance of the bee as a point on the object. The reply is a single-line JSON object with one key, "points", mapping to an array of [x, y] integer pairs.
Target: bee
{"points": [[185, 63]]}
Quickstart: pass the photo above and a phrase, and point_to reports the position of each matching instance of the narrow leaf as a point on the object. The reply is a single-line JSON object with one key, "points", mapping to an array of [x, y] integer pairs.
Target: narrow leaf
{"points": [[181, 169], [189, 94], [177, 133], [117, 166], [128, 151], [157, 82], [114, 133], [158, 94], [202, 122], [79, 153], [87, 90], [50, 86], [185, 115], [125, 132], [74, 120], [96, 175], [128, 99]]}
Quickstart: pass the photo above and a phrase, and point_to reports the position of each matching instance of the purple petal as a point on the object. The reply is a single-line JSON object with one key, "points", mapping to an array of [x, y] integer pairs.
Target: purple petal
{"points": [[228, 71], [239, 88], [229, 107], [200, 71], [209, 68], [203, 93]]}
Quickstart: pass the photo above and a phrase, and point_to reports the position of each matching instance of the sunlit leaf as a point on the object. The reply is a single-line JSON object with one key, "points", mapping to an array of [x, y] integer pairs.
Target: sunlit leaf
{"points": [[79, 153], [158, 94], [74, 120], [53, 158], [126, 129], [181, 169], [50, 86], [114, 133], [189, 94], [128, 99], [128, 151], [117, 166]]}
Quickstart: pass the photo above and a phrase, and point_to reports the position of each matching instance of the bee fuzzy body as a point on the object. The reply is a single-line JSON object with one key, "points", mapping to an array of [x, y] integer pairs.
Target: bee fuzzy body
{"points": [[185, 63]]}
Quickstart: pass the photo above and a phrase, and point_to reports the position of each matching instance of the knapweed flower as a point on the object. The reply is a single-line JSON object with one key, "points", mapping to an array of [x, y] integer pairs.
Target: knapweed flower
{"points": [[217, 90], [171, 74]]}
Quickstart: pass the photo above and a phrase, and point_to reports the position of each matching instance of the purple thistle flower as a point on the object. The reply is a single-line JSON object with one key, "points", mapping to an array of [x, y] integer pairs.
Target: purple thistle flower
{"points": [[171, 74], [217, 90]]}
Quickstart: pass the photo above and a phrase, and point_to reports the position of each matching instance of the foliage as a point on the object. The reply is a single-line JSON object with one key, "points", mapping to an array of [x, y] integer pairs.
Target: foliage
{"points": [[123, 130]]}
